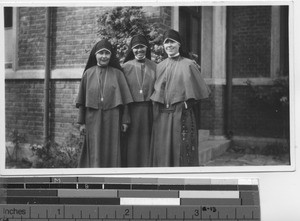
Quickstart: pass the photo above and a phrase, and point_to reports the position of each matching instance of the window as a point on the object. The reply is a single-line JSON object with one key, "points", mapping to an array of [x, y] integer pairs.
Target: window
{"points": [[9, 39], [8, 17]]}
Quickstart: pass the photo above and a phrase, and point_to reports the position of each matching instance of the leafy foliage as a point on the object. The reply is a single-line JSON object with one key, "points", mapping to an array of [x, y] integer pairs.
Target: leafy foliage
{"points": [[275, 96], [17, 139], [121, 23], [53, 155]]}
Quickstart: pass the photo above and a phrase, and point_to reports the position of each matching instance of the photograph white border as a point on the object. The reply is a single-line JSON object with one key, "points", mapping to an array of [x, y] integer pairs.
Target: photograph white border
{"points": [[157, 170]]}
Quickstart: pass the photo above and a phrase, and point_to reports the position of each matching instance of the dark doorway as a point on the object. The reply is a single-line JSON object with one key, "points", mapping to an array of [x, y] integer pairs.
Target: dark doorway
{"points": [[190, 29]]}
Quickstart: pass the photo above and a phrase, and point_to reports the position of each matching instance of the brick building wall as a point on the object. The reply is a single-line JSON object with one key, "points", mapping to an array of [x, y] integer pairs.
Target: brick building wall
{"points": [[31, 40], [24, 108], [63, 114], [251, 59], [251, 41], [212, 111], [73, 34]]}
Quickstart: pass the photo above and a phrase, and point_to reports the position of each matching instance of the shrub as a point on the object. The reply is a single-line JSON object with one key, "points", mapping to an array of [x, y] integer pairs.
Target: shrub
{"points": [[53, 155], [276, 99], [17, 139], [275, 96], [121, 23]]}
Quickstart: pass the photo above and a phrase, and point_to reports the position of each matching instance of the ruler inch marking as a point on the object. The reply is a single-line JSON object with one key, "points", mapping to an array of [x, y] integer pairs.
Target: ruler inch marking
{"points": [[224, 205], [212, 213], [166, 212], [235, 213]]}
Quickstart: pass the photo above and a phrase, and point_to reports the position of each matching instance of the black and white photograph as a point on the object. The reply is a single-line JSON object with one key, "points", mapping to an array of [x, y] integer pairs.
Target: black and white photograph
{"points": [[143, 88]]}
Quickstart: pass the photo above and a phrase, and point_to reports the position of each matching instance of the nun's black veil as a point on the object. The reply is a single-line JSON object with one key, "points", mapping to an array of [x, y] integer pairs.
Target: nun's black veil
{"points": [[113, 62], [130, 56], [171, 33]]}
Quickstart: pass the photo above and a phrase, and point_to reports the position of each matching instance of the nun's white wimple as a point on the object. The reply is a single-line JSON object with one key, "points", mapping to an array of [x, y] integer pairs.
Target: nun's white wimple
{"points": [[170, 39], [138, 45], [103, 49]]}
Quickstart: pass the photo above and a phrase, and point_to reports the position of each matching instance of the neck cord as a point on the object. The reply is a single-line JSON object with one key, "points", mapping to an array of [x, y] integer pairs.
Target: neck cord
{"points": [[102, 86], [138, 80]]}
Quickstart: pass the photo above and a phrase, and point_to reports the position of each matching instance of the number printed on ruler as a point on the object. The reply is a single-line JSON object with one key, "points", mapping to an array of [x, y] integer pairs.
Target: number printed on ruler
{"points": [[66, 212], [116, 199]]}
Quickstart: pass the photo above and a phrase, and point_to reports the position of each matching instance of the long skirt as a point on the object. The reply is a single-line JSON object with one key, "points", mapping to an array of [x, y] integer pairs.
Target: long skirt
{"points": [[139, 134], [174, 140], [101, 147]]}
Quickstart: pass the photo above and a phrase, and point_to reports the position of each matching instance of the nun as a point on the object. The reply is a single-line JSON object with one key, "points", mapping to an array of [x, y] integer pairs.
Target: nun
{"points": [[139, 72], [178, 87], [102, 100]]}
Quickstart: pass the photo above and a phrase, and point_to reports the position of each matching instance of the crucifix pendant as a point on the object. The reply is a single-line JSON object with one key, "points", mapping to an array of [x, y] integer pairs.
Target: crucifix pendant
{"points": [[141, 91]]}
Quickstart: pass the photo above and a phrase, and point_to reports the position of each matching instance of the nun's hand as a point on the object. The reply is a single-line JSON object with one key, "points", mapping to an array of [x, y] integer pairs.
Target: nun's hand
{"points": [[124, 127], [197, 65]]}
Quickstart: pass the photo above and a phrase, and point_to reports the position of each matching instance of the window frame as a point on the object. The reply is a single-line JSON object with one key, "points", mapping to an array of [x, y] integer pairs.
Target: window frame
{"points": [[13, 64]]}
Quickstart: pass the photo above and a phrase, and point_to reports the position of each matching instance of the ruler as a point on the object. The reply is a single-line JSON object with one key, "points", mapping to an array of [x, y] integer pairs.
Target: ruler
{"points": [[131, 199]]}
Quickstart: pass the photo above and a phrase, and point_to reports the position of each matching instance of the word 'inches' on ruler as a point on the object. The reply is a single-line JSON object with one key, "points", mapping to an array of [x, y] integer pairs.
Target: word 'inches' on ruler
{"points": [[103, 199]]}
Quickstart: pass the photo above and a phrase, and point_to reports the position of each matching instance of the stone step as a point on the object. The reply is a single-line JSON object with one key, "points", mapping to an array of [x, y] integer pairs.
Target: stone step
{"points": [[203, 135], [210, 149]]}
